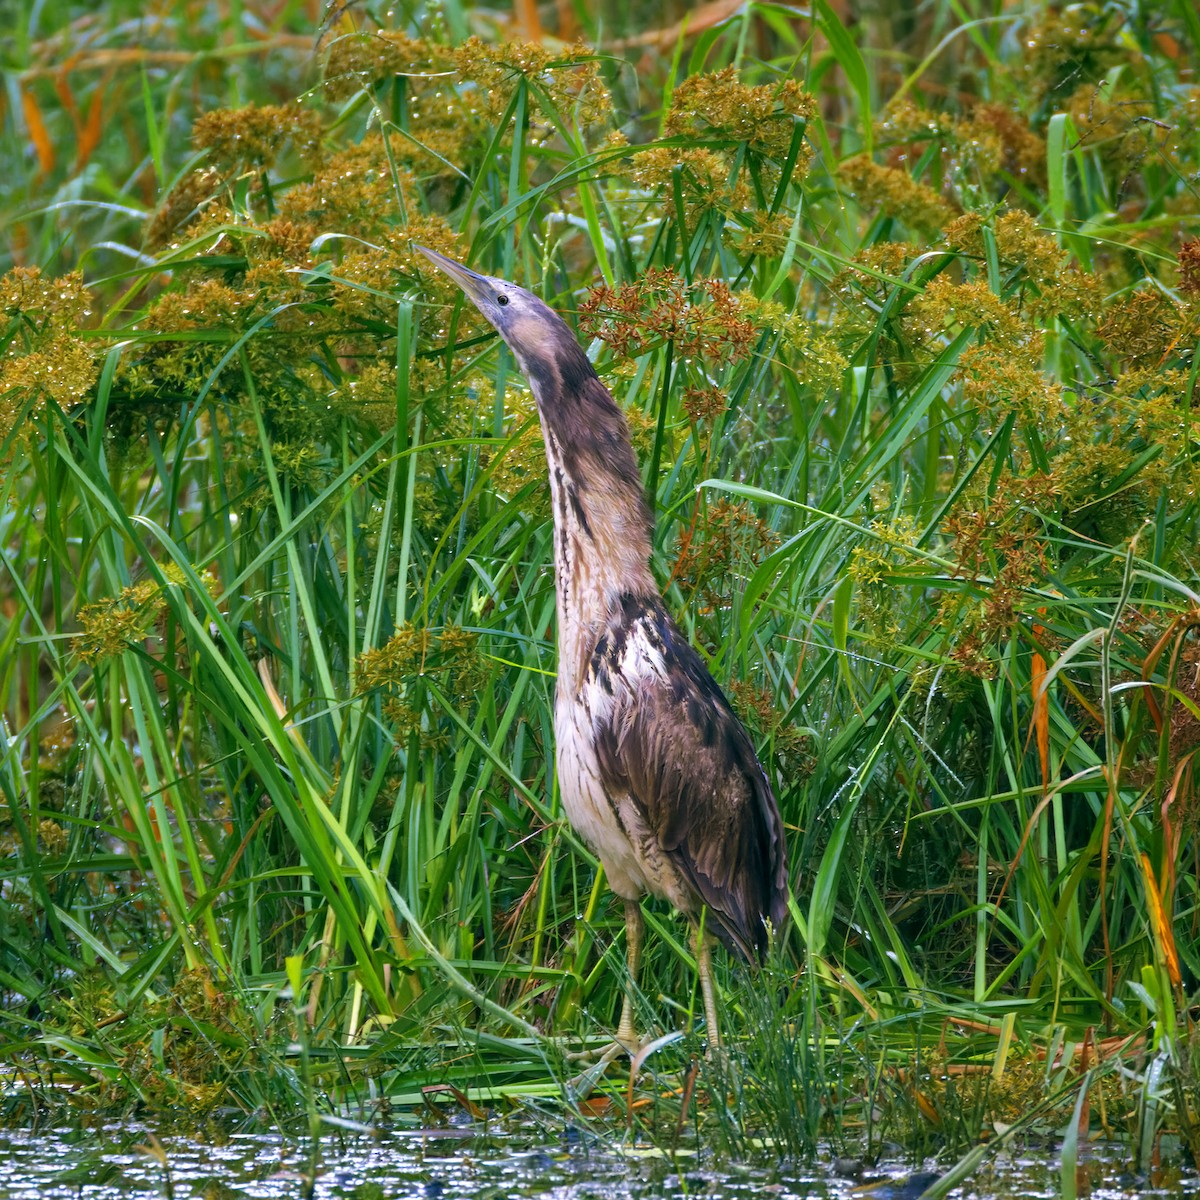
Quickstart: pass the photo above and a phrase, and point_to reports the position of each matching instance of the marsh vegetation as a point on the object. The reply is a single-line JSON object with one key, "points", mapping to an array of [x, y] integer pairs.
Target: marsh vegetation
{"points": [[903, 312]]}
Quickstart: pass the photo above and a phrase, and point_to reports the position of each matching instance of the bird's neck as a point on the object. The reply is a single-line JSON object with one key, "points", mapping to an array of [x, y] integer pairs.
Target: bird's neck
{"points": [[601, 522]]}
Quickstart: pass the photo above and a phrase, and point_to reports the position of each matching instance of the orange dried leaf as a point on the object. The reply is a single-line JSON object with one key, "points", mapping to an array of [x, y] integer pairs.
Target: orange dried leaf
{"points": [[1169, 46], [1164, 937], [89, 134], [1148, 671], [595, 1106], [37, 131], [1041, 716], [975, 1026], [1041, 708], [62, 89], [525, 17], [459, 1095], [697, 20]]}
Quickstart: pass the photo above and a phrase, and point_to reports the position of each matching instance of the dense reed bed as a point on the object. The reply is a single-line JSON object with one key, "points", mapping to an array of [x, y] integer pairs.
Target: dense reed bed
{"points": [[903, 313]]}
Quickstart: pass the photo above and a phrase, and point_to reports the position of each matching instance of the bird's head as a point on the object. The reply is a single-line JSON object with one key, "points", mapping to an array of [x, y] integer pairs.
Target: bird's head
{"points": [[536, 334], [587, 439]]}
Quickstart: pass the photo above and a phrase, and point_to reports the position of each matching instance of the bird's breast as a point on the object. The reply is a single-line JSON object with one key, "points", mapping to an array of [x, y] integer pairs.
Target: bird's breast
{"points": [[605, 822], [626, 658]]}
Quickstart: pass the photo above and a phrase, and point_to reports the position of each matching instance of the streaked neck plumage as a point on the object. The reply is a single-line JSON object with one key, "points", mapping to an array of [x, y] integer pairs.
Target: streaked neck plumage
{"points": [[601, 523]]}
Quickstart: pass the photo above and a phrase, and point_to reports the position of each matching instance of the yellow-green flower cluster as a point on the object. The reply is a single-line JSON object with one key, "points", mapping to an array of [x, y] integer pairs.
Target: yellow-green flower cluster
{"points": [[894, 191], [1049, 284], [455, 95], [1073, 45], [1002, 368], [195, 192], [705, 176], [720, 112], [1144, 326], [252, 138], [355, 60], [45, 358], [968, 153], [354, 191], [872, 564], [822, 363], [719, 106], [110, 626], [726, 536], [41, 303], [974, 149], [395, 670], [569, 79]]}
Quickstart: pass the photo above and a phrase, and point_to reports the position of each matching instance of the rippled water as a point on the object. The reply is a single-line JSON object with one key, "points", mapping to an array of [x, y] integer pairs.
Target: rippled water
{"points": [[468, 1161]]}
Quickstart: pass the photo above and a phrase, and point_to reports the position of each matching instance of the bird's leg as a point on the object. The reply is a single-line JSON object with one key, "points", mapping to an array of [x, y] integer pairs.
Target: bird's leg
{"points": [[627, 1031], [626, 1040], [704, 965]]}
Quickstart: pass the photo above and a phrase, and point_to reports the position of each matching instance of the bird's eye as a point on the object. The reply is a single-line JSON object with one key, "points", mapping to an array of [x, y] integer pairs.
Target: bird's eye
{"points": [[501, 298]]}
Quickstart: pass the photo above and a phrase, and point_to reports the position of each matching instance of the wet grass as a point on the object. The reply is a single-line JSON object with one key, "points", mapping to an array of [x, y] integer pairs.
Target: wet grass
{"points": [[904, 318]]}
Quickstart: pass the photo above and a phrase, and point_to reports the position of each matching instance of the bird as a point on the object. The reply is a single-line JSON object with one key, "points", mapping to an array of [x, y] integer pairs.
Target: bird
{"points": [[655, 771]]}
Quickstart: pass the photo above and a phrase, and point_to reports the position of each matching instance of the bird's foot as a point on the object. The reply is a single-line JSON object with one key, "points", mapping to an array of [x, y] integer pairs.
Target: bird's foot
{"points": [[580, 1086], [624, 1042], [599, 1059]]}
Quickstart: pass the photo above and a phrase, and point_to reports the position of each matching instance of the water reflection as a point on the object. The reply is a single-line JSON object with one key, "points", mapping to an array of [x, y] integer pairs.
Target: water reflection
{"points": [[462, 1161]]}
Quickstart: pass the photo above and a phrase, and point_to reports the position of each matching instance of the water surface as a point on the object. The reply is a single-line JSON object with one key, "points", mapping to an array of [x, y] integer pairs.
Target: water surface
{"points": [[468, 1160]]}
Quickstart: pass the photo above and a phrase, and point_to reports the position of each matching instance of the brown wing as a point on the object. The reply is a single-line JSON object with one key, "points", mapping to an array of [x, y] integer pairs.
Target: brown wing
{"points": [[673, 743]]}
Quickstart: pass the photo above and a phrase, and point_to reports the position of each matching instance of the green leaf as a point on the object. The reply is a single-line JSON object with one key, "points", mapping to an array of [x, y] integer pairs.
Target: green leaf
{"points": [[842, 596], [825, 885], [851, 62], [1059, 132]]}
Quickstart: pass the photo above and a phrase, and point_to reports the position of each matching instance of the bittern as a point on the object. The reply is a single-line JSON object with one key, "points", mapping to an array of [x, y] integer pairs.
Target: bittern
{"points": [[655, 770]]}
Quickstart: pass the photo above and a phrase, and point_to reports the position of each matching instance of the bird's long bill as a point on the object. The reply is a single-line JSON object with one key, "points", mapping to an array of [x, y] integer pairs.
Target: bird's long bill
{"points": [[474, 285]]}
